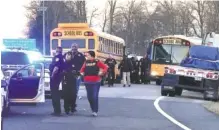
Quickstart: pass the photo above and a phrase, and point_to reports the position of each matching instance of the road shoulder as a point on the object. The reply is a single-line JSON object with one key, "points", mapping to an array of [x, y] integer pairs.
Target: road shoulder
{"points": [[212, 107]]}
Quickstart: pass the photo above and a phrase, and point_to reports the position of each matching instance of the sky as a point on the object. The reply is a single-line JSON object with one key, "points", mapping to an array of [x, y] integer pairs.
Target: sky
{"points": [[12, 14]]}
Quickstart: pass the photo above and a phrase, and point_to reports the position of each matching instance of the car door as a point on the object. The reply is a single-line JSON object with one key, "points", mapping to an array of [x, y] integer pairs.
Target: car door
{"points": [[27, 84]]}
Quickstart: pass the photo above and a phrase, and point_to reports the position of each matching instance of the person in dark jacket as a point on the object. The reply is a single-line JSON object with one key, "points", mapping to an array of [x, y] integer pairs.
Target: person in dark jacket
{"points": [[77, 60], [56, 69], [69, 87], [92, 70], [145, 69], [126, 68], [111, 62]]}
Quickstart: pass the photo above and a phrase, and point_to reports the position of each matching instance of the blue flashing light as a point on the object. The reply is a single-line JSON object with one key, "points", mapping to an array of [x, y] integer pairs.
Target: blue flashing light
{"points": [[35, 56]]}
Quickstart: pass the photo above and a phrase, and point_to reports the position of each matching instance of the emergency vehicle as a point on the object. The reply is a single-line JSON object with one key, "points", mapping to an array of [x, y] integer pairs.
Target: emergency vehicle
{"points": [[199, 72], [24, 73]]}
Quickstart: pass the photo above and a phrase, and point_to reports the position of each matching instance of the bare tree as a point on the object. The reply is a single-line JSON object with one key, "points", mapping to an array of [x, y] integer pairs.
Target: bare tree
{"points": [[94, 14], [212, 19], [199, 15], [112, 4], [105, 19]]}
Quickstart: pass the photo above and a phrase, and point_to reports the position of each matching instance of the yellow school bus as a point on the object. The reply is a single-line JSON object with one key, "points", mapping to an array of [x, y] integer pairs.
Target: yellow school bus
{"points": [[87, 39], [168, 50]]}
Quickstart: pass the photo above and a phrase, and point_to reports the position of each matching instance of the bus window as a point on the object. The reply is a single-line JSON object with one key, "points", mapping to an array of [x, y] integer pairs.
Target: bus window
{"points": [[68, 42], [110, 46], [162, 53], [107, 45], [114, 46], [54, 43], [91, 44], [178, 53]]}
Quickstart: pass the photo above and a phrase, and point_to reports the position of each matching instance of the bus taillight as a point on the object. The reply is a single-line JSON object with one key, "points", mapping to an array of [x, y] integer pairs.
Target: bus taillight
{"points": [[88, 34], [57, 34]]}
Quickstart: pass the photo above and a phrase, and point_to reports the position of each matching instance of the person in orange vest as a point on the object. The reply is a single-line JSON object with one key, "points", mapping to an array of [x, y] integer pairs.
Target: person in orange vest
{"points": [[92, 70]]}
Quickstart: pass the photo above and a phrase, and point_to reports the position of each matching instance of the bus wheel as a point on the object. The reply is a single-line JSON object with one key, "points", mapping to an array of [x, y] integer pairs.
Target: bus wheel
{"points": [[158, 82]]}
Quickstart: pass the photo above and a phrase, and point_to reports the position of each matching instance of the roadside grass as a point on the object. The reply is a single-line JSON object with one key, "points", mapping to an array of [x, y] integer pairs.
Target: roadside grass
{"points": [[212, 106]]}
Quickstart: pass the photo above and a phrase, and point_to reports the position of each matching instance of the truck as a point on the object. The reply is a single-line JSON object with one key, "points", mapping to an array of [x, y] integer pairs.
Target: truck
{"points": [[199, 72]]}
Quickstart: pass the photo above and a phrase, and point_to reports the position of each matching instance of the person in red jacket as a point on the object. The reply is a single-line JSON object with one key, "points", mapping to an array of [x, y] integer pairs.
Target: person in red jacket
{"points": [[92, 70]]}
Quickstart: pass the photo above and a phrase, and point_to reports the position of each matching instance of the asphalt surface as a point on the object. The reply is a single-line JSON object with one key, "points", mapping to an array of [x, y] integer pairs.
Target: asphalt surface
{"points": [[120, 109]]}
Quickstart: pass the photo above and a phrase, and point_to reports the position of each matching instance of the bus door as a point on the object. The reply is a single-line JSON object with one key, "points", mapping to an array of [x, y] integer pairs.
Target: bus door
{"points": [[26, 85]]}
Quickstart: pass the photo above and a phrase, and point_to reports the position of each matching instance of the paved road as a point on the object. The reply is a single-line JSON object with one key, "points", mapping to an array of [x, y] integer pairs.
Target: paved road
{"points": [[120, 109]]}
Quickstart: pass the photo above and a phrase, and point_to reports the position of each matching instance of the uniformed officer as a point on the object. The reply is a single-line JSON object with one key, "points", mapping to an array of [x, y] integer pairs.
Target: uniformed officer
{"points": [[111, 62], [69, 88], [56, 68], [77, 60], [145, 69], [133, 73], [137, 69]]}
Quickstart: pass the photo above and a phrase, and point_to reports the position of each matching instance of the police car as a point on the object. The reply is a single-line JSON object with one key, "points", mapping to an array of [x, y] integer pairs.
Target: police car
{"points": [[4, 95], [14, 59], [47, 62], [24, 72]]}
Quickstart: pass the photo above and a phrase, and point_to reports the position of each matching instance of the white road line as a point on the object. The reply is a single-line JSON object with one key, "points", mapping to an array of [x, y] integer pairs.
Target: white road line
{"points": [[156, 104]]}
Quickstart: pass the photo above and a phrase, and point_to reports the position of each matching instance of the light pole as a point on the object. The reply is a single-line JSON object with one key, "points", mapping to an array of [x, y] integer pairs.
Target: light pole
{"points": [[43, 8]]}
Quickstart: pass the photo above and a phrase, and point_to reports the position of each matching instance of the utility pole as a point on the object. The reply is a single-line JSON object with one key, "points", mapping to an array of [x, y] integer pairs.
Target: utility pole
{"points": [[44, 46], [43, 8]]}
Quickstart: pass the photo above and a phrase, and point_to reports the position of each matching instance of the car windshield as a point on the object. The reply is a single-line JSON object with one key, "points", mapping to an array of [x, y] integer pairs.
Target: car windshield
{"points": [[19, 58]]}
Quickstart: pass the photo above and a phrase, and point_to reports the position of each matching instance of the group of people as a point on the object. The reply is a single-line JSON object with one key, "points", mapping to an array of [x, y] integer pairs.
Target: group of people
{"points": [[134, 71], [131, 70], [68, 70]]}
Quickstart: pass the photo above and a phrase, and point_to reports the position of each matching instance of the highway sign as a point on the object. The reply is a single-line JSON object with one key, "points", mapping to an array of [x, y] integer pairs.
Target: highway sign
{"points": [[20, 43]]}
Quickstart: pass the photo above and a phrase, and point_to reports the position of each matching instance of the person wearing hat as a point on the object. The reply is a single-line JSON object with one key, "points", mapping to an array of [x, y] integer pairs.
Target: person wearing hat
{"points": [[92, 70]]}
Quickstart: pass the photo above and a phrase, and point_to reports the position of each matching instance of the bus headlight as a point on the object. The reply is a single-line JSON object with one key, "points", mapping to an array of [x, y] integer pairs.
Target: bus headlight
{"points": [[154, 73]]}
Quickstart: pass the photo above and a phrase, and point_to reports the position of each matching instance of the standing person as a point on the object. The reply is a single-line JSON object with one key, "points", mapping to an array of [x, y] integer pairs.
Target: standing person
{"points": [[92, 70], [145, 69], [56, 69], [111, 62], [69, 88], [126, 68], [77, 61], [137, 69]]}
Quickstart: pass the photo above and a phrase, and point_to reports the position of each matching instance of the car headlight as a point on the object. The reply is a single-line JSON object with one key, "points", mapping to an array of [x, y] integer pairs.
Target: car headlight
{"points": [[154, 73]]}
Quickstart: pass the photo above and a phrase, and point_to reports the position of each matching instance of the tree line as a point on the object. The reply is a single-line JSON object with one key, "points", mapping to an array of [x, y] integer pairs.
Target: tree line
{"points": [[136, 21]]}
